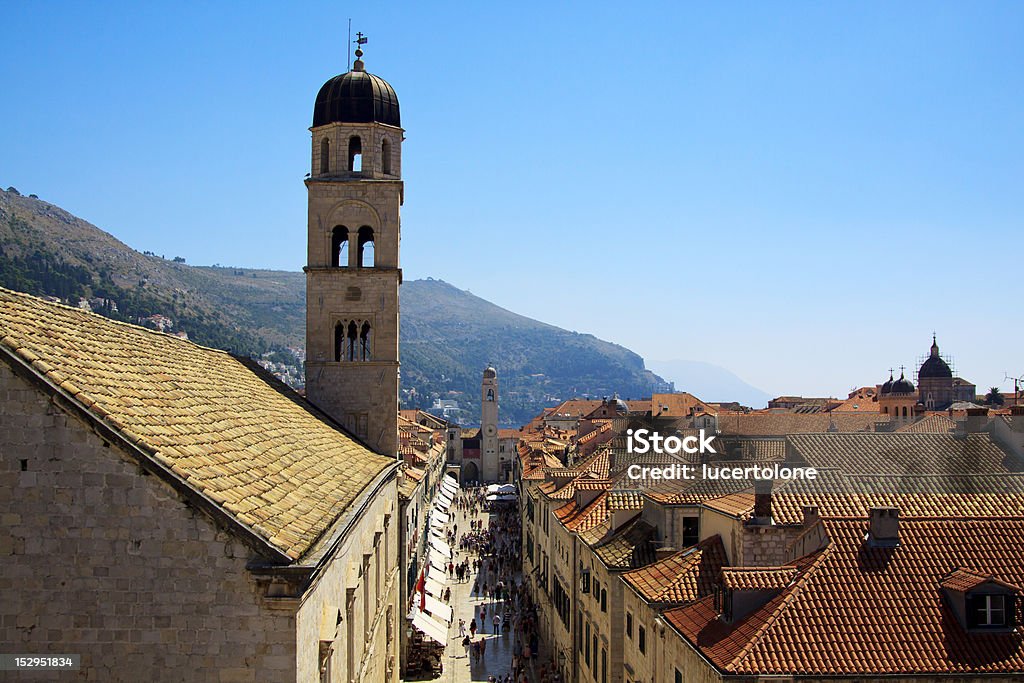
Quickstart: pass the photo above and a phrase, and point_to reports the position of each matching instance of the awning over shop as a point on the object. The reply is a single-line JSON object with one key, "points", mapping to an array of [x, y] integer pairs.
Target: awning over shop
{"points": [[437, 574], [437, 609], [434, 588], [442, 504], [437, 518], [441, 547], [450, 484], [429, 627]]}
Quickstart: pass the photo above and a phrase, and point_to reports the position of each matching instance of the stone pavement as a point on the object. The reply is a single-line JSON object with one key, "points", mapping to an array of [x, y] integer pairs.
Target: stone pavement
{"points": [[497, 659]]}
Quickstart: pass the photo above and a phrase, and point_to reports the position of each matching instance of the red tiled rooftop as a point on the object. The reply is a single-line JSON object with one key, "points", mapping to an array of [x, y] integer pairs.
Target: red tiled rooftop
{"points": [[856, 610]]}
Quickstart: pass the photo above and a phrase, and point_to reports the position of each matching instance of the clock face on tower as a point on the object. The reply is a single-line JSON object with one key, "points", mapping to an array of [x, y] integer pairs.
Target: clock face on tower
{"points": [[489, 430]]}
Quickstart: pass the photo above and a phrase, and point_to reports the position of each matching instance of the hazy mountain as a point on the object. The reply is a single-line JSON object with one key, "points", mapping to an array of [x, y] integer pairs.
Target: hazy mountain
{"points": [[709, 382], [448, 335]]}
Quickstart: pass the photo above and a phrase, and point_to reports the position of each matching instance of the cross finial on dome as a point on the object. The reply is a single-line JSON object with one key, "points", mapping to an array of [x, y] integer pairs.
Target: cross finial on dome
{"points": [[890, 372], [901, 371], [359, 41]]}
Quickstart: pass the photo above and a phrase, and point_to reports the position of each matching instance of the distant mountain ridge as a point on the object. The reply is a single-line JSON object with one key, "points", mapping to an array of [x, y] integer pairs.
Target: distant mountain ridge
{"points": [[447, 335]]}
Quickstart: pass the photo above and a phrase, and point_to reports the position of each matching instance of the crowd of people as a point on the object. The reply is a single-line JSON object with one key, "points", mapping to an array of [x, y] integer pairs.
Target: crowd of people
{"points": [[489, 549]]}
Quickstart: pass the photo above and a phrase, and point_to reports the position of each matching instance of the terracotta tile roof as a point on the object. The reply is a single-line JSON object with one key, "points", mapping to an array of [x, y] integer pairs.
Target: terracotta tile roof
{"points": [[509, 433], [963, 580], [220, 424], [679, 404], [917, 496], [574, 407], [735, 504], [578, 519], [937, 424], [783, 423], [762, 450], [694, 492], [630, 547], [862, 611], [758, 578], [597, 464], [590, 436], [896, 453], [582, 484], [680, 578], [625, 499]]}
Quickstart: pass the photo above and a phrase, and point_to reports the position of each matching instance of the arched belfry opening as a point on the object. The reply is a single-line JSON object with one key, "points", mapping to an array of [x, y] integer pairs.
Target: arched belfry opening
{"points": [[325, 156], [385, 156], [339, 342], [339, 246], [350, 341], [355, 154], [365, 342], [366, 247], [490, 394]]}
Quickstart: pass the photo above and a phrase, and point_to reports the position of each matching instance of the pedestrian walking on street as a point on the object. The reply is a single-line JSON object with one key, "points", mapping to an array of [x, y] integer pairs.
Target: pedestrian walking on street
{"points": [[462, 628], [472, 627]]}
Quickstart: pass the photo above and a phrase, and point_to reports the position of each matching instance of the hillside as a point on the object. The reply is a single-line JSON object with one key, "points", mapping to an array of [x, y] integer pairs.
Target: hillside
{"points": [[448, 335]]}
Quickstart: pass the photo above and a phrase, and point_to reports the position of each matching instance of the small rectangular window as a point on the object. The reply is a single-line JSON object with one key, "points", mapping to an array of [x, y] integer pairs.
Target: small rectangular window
{"points": [[641, 634], [679, 676], [629, 625]]}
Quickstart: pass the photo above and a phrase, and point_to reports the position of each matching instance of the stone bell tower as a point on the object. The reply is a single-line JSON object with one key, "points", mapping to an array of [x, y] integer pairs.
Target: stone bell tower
{"points": [[352, 272], [489, 425]]}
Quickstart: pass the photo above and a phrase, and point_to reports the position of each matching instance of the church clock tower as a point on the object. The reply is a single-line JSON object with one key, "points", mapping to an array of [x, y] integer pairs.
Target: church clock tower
{"points": [[489, 424], [352, 272]]}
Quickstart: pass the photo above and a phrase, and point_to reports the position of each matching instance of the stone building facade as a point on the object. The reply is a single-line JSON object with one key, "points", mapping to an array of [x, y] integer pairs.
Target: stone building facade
{"points": [[172, 512]]}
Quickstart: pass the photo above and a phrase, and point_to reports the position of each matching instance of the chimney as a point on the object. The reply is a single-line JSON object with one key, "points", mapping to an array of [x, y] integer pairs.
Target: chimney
{"points": [[884, 527], [662, 553], [811, 516], [762, 502], [977, 420]]}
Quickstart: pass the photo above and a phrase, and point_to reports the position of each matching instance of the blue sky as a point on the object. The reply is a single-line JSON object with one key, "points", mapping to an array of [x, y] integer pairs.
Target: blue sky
{"points": [[800, 192]]}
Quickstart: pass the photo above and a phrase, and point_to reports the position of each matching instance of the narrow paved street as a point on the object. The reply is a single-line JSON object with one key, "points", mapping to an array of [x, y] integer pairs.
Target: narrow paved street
{"points": [[489, 545]]}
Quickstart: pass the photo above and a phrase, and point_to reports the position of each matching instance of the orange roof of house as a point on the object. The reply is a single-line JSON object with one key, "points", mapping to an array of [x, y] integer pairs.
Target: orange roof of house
{"points": [[680, 404], [758, 578], [963, 580], [773, 423], [936, 423], [854, 610], [683, 577]]}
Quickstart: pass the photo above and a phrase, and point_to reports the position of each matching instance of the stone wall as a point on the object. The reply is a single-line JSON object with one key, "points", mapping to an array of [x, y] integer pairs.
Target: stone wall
{"points": [[102, 560], [359, 584]]}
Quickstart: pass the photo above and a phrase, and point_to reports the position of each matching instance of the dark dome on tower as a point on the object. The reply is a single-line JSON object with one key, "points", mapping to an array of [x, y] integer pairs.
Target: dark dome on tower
{"points": [[902, 386], [934, 366], [490, 373], [887, 387], [356, 97]]}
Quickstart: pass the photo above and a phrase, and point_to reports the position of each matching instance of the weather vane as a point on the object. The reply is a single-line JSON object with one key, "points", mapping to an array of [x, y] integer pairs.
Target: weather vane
{"points": [[359, 41]]}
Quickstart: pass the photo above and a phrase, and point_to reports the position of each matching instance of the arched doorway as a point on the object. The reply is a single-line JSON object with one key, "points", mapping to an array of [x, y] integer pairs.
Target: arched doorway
{"points": [[470, 473]]}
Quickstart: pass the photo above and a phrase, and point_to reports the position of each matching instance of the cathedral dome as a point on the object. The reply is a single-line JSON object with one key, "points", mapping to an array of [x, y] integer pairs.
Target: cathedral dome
{"points": [[902, 386], [356, 97], [887, 387], [934, 366]]}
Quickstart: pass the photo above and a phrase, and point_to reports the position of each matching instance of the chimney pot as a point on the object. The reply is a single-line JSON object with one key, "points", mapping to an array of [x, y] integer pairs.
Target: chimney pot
{"points": [[811, 515], [884, 527], [762, 501]]}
